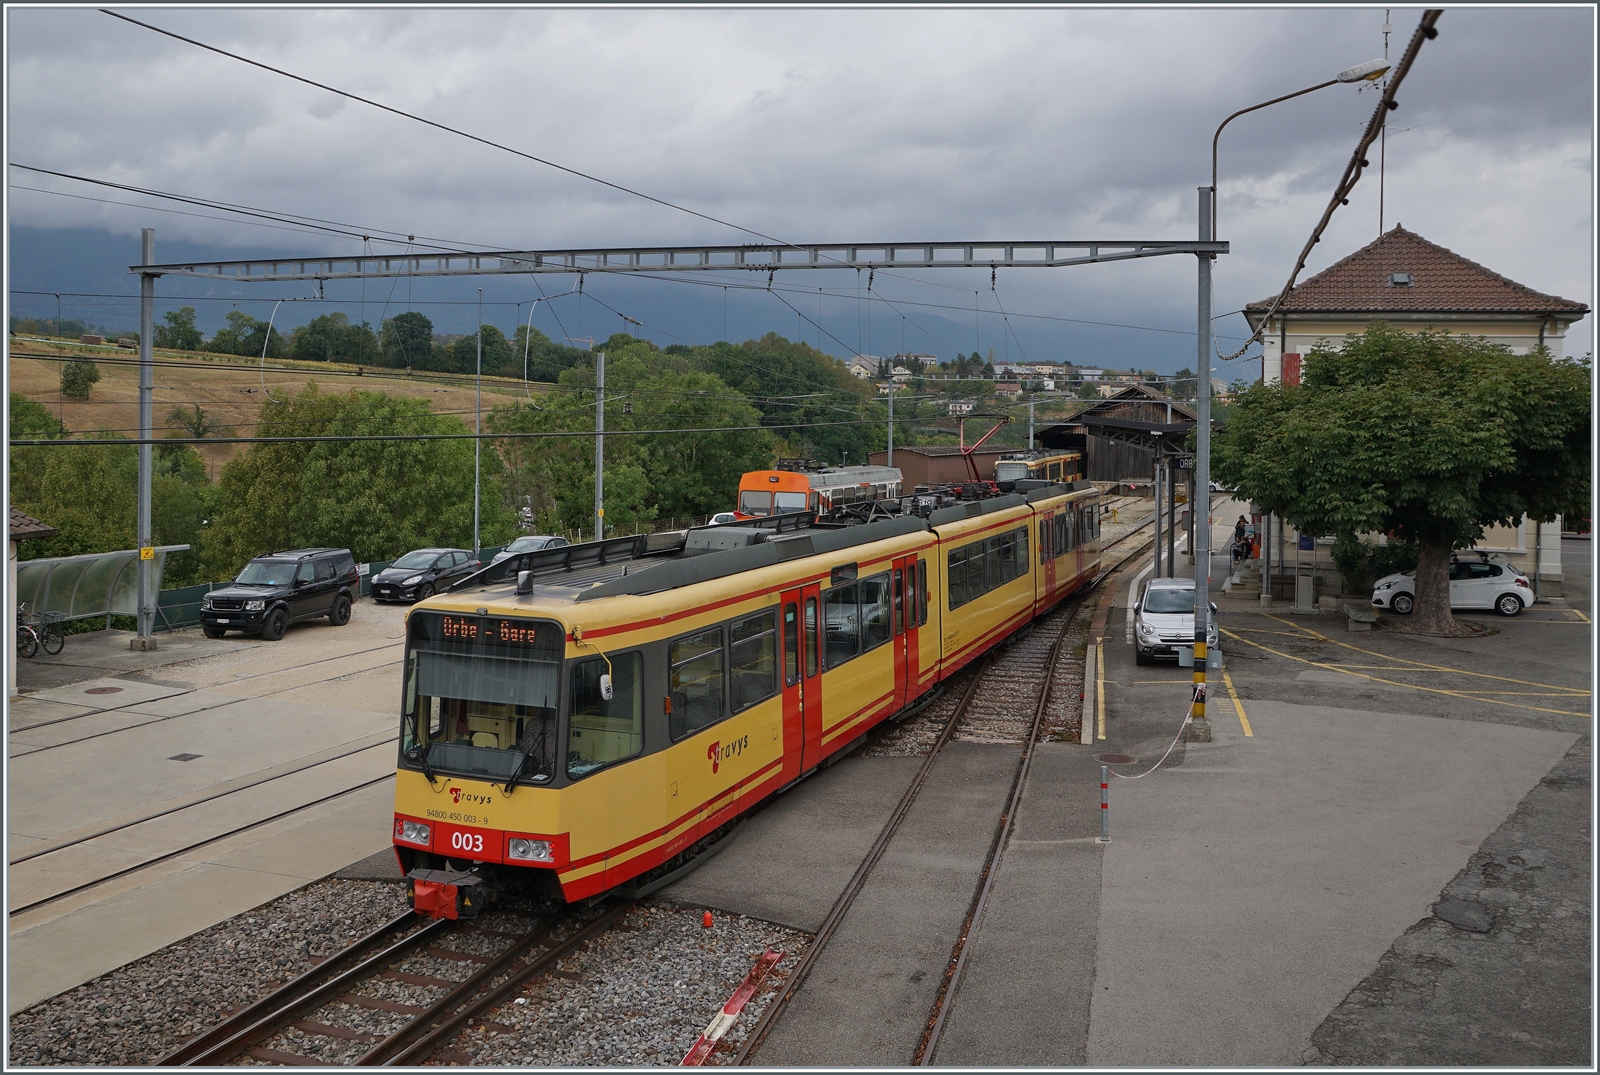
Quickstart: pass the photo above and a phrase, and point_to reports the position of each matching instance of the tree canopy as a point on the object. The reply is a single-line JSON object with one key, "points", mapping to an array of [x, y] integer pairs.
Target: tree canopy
{"points": [[179, 332], [376, 498], [332, 338], [245, 336], [1426, 436]]}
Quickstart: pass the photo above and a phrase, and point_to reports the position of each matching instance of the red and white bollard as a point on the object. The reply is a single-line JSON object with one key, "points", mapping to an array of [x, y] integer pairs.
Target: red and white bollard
{"points": [[1105, 805]]}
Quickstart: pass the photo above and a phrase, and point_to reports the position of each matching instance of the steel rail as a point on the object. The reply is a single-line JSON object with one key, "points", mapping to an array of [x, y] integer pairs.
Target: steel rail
{"points": [[251, 1013], [858, 880], [14, 912], [958, 956], [841, 906], [108, 830], [452, 1025], [291, 1003]]}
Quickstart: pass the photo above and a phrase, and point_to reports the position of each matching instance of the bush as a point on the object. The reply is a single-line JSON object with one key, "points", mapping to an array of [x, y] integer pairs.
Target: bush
{"points": [[1361, 564], [77, 377]]}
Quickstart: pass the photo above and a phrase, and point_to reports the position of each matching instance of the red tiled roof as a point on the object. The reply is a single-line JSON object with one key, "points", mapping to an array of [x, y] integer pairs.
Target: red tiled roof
{"points": [[1443, 282], [23, 527]]}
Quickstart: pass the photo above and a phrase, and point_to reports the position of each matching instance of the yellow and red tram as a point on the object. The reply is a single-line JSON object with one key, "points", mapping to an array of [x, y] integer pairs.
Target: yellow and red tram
{"points": [[583, 718]]}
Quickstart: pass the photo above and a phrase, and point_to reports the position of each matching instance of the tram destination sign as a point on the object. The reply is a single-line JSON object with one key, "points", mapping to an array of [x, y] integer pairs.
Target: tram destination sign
{"points": [[502, 636]]}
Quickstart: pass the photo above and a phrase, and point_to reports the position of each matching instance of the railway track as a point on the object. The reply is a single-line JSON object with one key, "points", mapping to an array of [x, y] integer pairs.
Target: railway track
{"points": [[987, 711], [305, 1021]]}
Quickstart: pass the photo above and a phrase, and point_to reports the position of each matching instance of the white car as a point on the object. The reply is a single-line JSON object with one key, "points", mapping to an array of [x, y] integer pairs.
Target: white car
{"points": [[1476, 582], [722, 518], [1163, 620]]}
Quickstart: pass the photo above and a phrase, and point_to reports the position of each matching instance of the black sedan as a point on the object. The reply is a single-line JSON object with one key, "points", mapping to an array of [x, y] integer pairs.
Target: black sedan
{"points": [[418, 575]]}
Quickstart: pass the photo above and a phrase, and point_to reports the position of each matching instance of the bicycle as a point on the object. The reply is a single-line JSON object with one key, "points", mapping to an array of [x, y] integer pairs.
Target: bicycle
{"points": [[47, 634]]}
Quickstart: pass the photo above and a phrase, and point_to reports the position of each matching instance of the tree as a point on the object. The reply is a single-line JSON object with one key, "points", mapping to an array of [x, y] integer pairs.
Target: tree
{"points": [[332, 338], [1426, 437], [78, 376], [407, 341], [376, 498], [496, 354], [244, 336], [196, 422], [545, 358], [179, 333]]}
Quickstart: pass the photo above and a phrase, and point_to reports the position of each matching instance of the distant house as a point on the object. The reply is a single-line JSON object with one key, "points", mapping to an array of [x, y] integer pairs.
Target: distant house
{"points": [[864, 366], [961, 406], [1090, 373], [1008, 388], [901, 375]]}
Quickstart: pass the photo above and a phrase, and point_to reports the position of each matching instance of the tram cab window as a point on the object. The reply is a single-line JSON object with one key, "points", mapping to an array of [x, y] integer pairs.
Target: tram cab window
{"points": [[875, 599], [842, 619], [601, 732], [787, 502], [696, 682], [755, 502], [753, 659]]}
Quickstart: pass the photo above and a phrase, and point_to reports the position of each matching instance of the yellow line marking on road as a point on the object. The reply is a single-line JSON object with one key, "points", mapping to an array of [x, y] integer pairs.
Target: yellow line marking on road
{"points": [[1100, 687], [1581, 617], [1237, 705], [1422, 664], [1412, 686]]}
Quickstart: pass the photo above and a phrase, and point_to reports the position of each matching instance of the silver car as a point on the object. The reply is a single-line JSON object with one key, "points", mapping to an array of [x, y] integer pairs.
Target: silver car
{"points": [[1163, 620], [530, 543]]}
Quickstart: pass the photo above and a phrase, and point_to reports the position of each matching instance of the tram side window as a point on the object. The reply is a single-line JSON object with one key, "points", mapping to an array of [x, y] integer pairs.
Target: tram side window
{"points": [[922, 593], [1093, 512], [753, 659], [791, 644], [601, 732], [842, 620], [875, 598], [957, 581], [695, 682]]}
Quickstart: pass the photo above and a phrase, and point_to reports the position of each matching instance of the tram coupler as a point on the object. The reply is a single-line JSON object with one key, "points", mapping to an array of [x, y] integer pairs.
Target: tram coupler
{"points": [[444, 893]]}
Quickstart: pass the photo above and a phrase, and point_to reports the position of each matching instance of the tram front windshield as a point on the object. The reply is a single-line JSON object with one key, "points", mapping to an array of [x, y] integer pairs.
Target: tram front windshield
{"points": [[481, 694], [1010, 472], [755, 502]]}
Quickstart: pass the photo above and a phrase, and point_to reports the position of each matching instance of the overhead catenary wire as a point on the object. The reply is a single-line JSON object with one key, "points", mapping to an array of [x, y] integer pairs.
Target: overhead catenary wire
{"points": [[1352, 171]]}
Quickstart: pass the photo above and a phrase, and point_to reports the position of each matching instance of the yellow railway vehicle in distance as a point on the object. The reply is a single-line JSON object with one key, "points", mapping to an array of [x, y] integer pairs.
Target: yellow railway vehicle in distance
{"points": [[586, 719], [1040, 465]]}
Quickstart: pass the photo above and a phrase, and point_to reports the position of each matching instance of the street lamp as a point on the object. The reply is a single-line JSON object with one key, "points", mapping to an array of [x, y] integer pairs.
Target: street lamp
{"points": [[1370, 71], [1199, 728]]}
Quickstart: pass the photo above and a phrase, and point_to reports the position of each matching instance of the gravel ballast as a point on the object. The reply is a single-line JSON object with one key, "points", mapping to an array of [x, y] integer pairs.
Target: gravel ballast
{"points": [[140, 1012]]}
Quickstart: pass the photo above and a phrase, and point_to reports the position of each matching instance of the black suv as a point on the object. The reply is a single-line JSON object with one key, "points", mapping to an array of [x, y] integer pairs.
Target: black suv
{"points": [[281, 588]]}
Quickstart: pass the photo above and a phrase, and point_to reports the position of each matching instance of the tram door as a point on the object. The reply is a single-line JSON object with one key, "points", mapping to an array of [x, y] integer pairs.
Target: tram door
{"points": [[802, 680], [905, 631], [1047, 553]]}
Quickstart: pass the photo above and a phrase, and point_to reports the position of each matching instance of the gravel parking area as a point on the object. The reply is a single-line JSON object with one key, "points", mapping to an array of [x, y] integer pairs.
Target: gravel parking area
{"points": [[140, 1012]]}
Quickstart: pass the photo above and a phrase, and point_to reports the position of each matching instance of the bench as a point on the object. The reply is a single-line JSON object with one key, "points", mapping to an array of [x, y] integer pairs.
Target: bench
{"points": [[1359, 617]]}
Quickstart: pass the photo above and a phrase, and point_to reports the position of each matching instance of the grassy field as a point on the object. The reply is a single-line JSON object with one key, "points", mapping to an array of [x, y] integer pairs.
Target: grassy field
{"points": [[227, 387]]}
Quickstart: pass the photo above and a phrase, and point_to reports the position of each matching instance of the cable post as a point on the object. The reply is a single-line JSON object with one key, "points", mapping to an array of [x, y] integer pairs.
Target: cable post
{"points": [[144, 639], [1199, 728]]}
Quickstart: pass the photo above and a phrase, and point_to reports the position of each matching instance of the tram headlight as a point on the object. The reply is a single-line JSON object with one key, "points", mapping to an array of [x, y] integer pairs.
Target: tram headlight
{"points": [[413, 832], [255, 606], [520, 847]]}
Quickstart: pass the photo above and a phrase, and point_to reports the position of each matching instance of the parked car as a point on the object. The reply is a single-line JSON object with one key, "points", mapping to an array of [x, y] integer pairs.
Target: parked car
{"points": [[1484, 580], [1163, 620], [418, 575], [530, 543], [722, 518], [281, 588]]}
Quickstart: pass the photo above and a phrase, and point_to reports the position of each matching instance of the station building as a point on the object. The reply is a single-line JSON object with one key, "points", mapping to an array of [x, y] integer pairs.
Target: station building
{"points": [[1413, 284]]}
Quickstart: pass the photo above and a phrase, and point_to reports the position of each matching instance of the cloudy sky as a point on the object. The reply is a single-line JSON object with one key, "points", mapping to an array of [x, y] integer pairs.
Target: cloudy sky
{"points": [[808, 125]]}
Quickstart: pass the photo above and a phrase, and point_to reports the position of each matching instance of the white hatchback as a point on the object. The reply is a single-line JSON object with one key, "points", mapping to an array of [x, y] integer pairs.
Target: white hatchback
{"points": [[1163, 620], [1482, 582]]}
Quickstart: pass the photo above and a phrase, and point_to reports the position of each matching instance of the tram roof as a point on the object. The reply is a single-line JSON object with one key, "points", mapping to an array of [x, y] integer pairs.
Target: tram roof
{"points": [[655, 563]]}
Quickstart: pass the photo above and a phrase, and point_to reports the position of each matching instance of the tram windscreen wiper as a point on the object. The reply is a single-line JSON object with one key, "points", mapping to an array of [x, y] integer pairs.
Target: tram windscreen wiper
{"points": [[535, 746], [419, 753]]}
